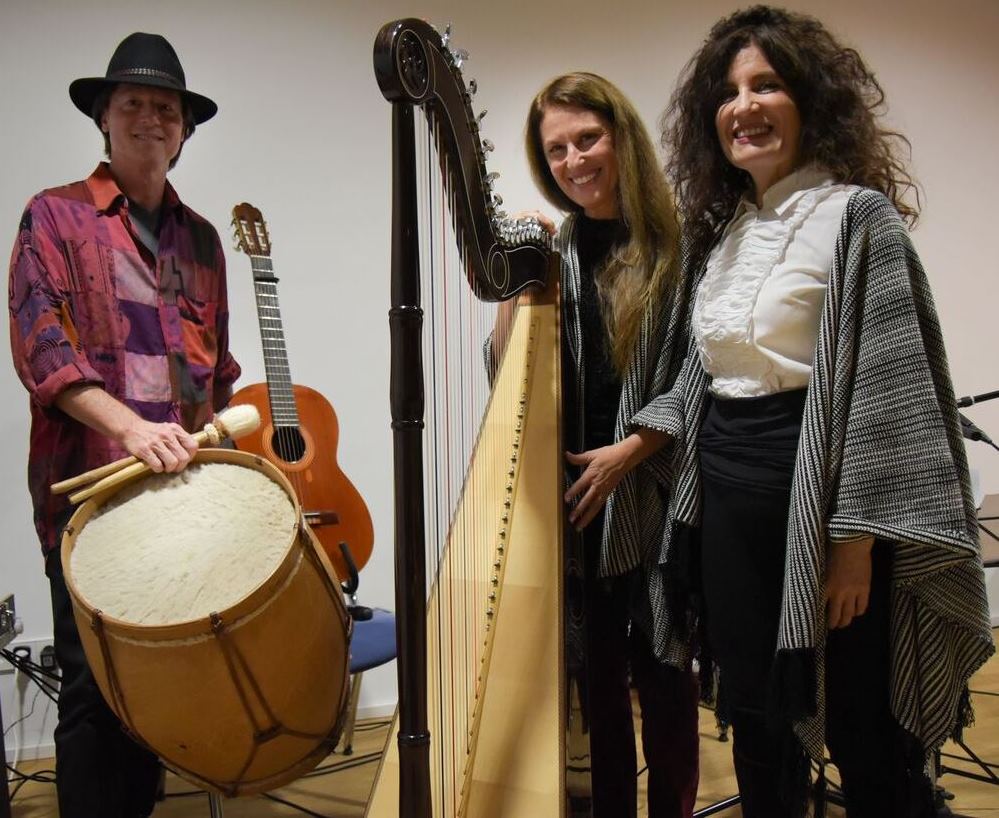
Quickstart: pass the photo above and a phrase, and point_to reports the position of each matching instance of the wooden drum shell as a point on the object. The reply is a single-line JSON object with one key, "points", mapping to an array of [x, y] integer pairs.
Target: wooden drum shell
{"points": [[246, 699]]}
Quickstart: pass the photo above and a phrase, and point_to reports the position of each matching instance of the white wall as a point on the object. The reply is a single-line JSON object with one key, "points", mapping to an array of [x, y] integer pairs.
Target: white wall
{"points": [[303, 133]]}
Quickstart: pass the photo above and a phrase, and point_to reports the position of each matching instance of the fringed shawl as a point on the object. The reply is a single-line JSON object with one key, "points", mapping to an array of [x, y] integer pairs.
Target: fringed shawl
{"points": [[880, 453], [635, 520]]}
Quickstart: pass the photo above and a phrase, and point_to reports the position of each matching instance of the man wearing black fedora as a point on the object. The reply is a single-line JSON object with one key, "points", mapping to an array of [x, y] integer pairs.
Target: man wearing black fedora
{"points": [[119, 331]]}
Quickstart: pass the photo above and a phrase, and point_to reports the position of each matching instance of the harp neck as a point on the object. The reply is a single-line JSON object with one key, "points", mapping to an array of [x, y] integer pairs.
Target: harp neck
{"points": [[413, 65]]}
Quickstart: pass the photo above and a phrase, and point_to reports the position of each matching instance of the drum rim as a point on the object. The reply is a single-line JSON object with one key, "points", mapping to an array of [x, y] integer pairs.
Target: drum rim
{"points": [[247, 605]]}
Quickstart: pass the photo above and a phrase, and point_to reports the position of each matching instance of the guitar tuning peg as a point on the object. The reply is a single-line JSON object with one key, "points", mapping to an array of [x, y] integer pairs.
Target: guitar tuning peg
{"points": [[497, 200], [488, 146], [446, 36], [481, 116], [473, 86], [459, 55], [492, 177]]}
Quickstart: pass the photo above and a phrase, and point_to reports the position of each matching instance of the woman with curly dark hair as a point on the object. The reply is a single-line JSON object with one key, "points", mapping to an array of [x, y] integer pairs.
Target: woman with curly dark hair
{"points": [[820, 451]]}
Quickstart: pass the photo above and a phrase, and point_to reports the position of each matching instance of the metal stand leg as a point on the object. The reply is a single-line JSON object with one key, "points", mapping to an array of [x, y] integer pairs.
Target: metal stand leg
{"points": [[215, 805], [5, 810]]}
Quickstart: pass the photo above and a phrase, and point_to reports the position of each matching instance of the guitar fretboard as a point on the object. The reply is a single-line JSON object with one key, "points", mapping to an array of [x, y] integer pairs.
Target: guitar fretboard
{"points": [[279, 384]]}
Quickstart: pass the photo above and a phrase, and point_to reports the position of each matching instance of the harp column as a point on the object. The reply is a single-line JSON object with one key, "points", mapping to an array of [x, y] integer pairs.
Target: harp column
{"points": [[407, 399]]}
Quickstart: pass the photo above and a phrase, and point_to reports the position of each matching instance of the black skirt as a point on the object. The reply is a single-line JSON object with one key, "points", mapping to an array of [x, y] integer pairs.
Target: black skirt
{"points": [[747, 450]]}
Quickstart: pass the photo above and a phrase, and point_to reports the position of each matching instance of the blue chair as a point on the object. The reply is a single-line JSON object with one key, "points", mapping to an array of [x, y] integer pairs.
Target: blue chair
{"points": [[372, 644]]}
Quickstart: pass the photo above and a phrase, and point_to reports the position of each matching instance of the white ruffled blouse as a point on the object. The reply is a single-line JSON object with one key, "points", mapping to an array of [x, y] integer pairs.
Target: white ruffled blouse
{"points": [[756, 314]]}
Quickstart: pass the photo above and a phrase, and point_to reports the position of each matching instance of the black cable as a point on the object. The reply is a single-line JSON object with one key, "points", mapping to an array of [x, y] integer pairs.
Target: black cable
{"points": [[347, 764], [969, 760], [184, 794], [372, 725], [293, 805], [45, 679], [41, 776], [27, 664]]}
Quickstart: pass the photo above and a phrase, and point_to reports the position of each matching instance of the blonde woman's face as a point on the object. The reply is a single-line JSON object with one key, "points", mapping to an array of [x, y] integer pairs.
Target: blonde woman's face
{"points": [[579, 148]]}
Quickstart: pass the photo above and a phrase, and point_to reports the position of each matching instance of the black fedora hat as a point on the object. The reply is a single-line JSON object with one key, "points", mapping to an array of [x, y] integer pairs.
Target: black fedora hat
{"points": [[142, 59]]}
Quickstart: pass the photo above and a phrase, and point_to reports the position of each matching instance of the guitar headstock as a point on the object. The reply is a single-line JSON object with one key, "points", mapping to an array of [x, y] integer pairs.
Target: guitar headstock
{"points": [[250, 230]]}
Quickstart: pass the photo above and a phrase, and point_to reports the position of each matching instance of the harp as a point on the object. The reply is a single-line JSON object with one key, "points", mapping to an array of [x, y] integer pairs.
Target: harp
{"points": [[484, 701]]}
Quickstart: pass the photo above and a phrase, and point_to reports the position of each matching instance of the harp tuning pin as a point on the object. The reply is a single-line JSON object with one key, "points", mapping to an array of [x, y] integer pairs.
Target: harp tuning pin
{"points": [[446, 36], [491, 178], [459, 55], [488, 146], [497, 200], [473, 86]]}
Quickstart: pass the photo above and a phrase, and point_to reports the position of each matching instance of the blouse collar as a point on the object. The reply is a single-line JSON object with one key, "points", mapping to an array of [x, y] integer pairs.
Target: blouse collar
{"points": [[784, 194]]}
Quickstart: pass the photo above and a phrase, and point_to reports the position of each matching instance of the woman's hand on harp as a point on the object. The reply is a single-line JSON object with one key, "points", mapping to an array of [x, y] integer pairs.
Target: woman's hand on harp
{"points": [[545, 221], [603, 469]]}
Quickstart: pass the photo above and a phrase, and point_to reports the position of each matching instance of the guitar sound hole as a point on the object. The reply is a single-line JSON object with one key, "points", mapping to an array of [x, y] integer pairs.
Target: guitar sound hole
{"points": [[289, 444]]}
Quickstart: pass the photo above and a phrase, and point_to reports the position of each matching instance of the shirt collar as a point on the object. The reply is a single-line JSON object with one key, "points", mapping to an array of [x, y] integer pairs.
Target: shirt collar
{"points": [[783, 195], [108, 196]]}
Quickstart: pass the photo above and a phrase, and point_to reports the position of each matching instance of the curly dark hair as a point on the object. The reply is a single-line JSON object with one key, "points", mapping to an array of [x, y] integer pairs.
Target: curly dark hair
{"points": [[838, 98]]}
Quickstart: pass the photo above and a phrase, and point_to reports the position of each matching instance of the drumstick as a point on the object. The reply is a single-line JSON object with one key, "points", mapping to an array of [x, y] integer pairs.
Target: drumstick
{"points": [[234, 422]]}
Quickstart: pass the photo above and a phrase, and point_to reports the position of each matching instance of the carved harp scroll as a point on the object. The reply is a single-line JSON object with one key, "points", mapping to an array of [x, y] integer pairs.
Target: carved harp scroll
{"points": [[416, 68]]}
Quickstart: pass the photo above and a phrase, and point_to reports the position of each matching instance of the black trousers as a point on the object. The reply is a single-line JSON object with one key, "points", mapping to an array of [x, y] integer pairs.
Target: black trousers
{"points": [[748, 448], [100, 770], [668, 699]]}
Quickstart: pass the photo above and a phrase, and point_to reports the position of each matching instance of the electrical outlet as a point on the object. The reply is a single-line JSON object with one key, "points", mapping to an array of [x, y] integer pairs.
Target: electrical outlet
{"points": [[30, 649], [8, 621], [47, 658]]}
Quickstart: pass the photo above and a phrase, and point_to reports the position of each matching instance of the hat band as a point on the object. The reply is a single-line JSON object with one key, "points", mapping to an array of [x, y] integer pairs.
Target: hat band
{"points": [[145, 72]]}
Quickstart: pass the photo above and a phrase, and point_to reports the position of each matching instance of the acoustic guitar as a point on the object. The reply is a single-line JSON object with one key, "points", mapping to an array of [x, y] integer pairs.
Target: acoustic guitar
{"points": [[298, 430]]}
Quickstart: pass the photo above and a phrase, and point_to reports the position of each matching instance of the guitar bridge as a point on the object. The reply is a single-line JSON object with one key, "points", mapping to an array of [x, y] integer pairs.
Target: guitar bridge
{"points": [[321, 517]]}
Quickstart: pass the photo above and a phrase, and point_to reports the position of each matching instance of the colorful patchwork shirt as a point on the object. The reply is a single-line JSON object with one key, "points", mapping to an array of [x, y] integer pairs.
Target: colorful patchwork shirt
{"points": [[90, 304]]}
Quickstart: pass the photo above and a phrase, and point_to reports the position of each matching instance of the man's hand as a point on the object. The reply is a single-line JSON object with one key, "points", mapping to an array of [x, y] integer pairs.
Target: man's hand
{"points": [[164, 447], [161, 446], [848, 581]]}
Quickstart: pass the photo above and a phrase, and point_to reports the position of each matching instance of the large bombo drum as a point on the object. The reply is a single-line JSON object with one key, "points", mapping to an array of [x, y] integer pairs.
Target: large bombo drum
{"points": [[212, 620]]}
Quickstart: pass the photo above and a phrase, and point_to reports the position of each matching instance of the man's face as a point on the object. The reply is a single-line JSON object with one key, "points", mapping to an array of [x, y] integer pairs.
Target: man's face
{"points": [[145, 126]]}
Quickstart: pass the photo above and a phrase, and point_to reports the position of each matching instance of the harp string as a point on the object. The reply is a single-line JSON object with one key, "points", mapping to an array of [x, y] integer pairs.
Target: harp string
{"points": [[456, 324]]}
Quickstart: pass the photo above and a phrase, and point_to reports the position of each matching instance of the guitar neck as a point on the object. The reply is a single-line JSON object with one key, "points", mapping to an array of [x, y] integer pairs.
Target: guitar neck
{"points": [[279, 384]]}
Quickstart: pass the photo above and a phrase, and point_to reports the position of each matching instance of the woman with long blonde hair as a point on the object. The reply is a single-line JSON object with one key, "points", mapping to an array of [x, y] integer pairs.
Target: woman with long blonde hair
{"points": [[622, 305]]}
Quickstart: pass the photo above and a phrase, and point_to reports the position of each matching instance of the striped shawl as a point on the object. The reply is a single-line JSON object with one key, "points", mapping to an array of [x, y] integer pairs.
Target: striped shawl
{"points": [[635, 531], [880, 453]]}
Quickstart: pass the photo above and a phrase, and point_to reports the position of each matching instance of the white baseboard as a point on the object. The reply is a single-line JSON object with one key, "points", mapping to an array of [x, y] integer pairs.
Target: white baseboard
{"points": [[376, 711], [33, 752]]}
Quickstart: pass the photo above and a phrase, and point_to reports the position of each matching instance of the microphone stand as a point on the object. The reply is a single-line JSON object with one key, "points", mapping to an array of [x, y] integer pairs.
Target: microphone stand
{"points": [[988, 773], [971, 400], [969, 429]]}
